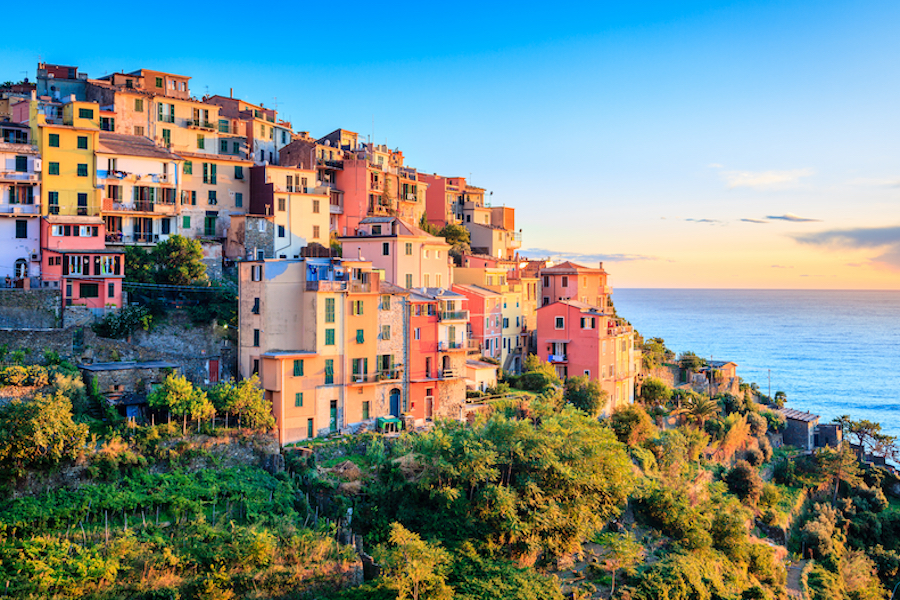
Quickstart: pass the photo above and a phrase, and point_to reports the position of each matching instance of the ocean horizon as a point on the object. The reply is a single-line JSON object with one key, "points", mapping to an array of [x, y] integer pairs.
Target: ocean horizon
{"points": [[833, 352]]}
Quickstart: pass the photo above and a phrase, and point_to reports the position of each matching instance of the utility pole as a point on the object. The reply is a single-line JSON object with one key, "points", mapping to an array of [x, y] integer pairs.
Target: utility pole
{"points": [[770, 385]]}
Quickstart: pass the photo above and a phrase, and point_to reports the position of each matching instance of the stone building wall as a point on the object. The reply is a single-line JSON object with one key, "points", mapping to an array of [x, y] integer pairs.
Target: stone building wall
{"points": [[30, 309]]}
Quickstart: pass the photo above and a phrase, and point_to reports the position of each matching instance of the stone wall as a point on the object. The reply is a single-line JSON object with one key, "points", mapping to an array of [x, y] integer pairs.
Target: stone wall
{"points": [[30, 309], [451, 399], [175, 339]]}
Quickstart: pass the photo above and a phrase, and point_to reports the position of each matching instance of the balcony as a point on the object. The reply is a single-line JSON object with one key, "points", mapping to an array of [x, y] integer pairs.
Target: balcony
{"points": [[20, 209], [557, 358], [200, 124], [111, 205], [468, 345], [335, 209], [358, 378], [454, 315], [449, 374], [117, 237], [388, 375], [338, 286], [17, 176]]}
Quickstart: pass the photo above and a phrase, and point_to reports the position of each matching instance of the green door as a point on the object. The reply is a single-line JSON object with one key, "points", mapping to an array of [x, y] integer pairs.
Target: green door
{"points": [[333, 421]]}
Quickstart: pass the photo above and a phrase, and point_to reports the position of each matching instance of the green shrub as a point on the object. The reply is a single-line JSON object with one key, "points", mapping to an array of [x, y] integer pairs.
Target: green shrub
{"points": [[754, 457], [15, 375], [122, 323], [744, 482], [37, 376]]}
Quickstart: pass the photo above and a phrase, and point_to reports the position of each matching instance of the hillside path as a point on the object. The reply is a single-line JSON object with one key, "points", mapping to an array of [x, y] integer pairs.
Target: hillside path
{"points": [[793, 587]]}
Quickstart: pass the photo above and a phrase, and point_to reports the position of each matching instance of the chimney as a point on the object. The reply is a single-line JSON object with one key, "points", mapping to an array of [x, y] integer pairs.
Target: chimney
{"points": [[601, 265], [231, 92], [359, 254]]}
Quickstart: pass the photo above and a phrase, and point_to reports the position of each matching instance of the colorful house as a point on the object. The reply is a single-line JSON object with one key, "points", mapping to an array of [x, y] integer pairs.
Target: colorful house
{"points": [[20, 209], [485, 318]]}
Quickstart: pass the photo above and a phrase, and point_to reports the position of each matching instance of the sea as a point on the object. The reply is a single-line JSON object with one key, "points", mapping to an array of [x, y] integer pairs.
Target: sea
{"points": [[832, 352]]}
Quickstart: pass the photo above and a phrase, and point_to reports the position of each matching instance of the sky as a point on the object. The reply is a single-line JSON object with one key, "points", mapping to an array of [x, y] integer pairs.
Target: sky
{"points": [[684, 144]]}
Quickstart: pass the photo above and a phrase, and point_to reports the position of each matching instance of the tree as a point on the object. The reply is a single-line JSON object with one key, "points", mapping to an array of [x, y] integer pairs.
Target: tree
{"points": [[655, 392], [690, 361], [414, 567], [698, 410], [459, 238], [426, 226], [38, 432], [538, 374], [632, 425], [839, 465], [780, 399], [621, 551], [139, 265], [179, 396], [654, 353], [744, 482], [179, 261], [586, 394], [245, 400]]}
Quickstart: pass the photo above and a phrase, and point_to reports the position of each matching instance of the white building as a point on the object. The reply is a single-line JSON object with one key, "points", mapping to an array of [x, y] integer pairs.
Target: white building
{"points": [[20, 210]]}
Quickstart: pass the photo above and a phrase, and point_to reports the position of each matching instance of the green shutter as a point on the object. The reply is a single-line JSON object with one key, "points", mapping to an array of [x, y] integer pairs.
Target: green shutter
{"points": [[298, 368], [360, 338], [212, 173], [185, 222], [329, 337]]}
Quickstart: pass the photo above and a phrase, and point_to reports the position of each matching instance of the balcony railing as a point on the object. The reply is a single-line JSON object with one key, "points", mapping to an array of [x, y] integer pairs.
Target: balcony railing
{"points": [[388, 375], [200, 124], [117, 237], [335, 209], [455, 315], [362, 378], [557, 358], [17, 176], [449, 374], [20, 209], [467, 344]]}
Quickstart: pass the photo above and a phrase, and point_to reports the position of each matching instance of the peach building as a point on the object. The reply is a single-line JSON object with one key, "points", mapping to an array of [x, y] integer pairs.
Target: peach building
{"points": [[572, 281], [409, 256]]}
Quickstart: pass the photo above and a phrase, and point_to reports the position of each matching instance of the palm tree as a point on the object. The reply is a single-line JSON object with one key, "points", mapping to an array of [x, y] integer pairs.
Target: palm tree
{"points": [[698, 409]]}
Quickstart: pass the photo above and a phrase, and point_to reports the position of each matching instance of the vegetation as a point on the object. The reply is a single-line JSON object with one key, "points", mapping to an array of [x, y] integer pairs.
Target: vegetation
{"points": [[179, 396]]}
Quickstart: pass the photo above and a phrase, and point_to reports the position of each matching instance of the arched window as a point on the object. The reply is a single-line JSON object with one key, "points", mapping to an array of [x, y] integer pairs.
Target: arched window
{"points": [[21, 269]]}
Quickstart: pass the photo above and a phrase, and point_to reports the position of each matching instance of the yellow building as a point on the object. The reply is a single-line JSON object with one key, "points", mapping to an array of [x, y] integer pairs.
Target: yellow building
{"points": [[213, 189], [310, 329], [67, 135]]}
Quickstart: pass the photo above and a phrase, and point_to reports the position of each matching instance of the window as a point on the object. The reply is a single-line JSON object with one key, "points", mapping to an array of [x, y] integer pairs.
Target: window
{"points": [[385, 248], [329, 371], [201, 141], [209, 173], [309, 428], [426, 253], [138, 104], [256, 337], [185, 222], [111, 290], [360, 336], [188, 167], [239, 199], [409, 248], [82, 142], [235, 148], [238, 172], [316, 206], [82, 170], [365, 410], [385, 303], [298, 399], [546, 301], [85, 113], [329, 310], [53, 140], [316, 232], [212, 197], [505, 322], [298, 367], [165, 226], [560, 322], [21, 164], [167, 137], [565, 281], [360, 368], [223, 146], [53, 198], [329, 337], [587, 373], [417, 333], [357, 307], [159, 82], [21, 229], [546, 281], [256, 272], [281, 231], [438, 280], [426, 280], [53, 168], [385, 332], [588, 322], [281, 204], [138, 130], [408, 280], [89, 290]]}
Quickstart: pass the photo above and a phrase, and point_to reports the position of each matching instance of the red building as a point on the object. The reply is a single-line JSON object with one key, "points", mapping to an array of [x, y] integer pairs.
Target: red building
{"points": [[569, 280], [485, 318], [438, 347], [74, 253]]}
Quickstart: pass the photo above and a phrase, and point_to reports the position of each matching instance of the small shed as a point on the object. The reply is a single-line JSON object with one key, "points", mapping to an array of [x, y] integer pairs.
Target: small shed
{"points": [[480, 375], [126, 385], [800, 428]]}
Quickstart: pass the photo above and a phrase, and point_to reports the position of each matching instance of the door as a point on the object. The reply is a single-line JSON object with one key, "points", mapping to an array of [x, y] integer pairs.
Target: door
{"points": [[333, 416], [395, 402], [214, 371]]}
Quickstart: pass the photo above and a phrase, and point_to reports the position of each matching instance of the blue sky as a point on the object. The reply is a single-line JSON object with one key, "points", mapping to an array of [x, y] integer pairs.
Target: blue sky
{"points": [[660, 137]]}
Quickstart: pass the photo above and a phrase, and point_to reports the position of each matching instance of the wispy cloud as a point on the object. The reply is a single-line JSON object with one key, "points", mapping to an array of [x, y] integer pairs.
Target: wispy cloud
{"points": [[704, 220], [876, 182], [760, 221], [885, 239], [791, 217], [581, 257], [765, 179], [781, 267]]}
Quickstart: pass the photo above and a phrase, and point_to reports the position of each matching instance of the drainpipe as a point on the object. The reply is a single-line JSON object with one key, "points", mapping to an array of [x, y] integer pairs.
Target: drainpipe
{"points": [[404, 399]]}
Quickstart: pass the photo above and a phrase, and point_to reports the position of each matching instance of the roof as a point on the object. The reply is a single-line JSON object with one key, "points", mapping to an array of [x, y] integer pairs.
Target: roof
{"points": [[18, 148], [480, 364], [476, 289], [386, 287], [718, 364], [133, 145], [569, 267], [74, 220], [211, 157], [798, 415], [122, 366], [582, 306], [288, 353]]}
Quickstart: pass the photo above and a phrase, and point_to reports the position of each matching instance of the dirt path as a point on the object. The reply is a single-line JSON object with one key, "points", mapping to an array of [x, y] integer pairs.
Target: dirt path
{"points": [[794, 589]]}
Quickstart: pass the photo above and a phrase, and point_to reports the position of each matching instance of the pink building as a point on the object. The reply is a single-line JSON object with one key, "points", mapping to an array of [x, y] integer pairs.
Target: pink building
{"points": [[572, 281], [74, 254], [409, 256], [486, 318]]}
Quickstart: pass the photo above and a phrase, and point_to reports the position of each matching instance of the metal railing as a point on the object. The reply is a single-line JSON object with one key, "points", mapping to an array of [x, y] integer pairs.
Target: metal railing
{"points": [[20, 209], [454, 315], [117, 237], [200, 123], [557, 358], [18, 176]]}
